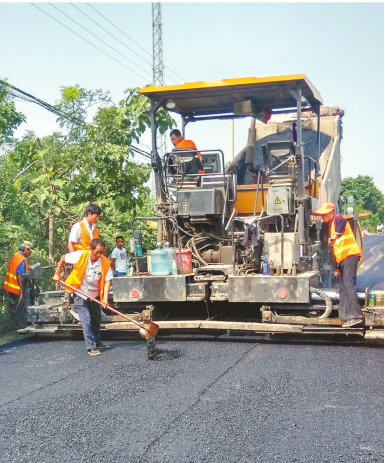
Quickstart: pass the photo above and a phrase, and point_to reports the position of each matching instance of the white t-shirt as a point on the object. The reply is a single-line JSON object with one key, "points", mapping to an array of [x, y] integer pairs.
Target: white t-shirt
{"points": [[120, 259], [92, 274], [76, 232]]}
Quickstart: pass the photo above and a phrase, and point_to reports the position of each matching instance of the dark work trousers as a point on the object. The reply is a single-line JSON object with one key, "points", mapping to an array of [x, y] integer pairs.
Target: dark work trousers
{"points": [[12, 300], [90, 314], [349, 306]]}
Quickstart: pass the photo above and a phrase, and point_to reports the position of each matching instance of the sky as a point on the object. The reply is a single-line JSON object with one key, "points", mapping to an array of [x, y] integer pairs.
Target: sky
{"points": [[338, 46]]}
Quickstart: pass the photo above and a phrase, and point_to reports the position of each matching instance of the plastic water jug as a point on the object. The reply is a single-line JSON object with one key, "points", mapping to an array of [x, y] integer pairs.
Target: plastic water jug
{"points": [[265, 267], [159, 261], [171, 255], [372, 299]]}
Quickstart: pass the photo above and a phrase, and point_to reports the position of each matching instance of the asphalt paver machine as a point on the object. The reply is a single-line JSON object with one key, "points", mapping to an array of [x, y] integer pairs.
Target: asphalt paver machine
{"points": [[260, 261]]}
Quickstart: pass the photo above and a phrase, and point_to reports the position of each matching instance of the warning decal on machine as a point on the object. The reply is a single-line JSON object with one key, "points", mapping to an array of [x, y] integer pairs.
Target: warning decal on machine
{"points": [[277, 201]]}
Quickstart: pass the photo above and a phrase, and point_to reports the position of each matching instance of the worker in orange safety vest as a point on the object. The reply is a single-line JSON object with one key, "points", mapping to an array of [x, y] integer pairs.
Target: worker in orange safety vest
{"points": [[83, 232], [91, 275], [347, 255], [13, 286], [179, 142]]}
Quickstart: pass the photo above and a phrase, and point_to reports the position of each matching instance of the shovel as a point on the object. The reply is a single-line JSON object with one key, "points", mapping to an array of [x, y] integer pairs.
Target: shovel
{"points": [[146, 329]]}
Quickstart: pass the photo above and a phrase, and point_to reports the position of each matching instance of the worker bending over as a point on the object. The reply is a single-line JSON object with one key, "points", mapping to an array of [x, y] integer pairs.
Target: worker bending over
{"points": [[92, 275], [83, 232], [13, 286], [179, 142], [347, 255]]}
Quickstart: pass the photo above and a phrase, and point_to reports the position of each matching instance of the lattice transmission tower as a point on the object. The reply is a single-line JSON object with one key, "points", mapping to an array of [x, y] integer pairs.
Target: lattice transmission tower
{"points": [[157, 62]]}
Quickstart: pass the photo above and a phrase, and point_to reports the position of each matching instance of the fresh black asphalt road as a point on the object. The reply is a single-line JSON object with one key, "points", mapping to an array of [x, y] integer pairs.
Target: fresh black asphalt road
{"points": [[212, 402], [371, 272], [206, 401]]}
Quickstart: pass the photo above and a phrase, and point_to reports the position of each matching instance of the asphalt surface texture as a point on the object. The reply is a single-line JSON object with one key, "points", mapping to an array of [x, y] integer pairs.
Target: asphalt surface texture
{"points": [[371, 271], [200, 401], [233, 402]]}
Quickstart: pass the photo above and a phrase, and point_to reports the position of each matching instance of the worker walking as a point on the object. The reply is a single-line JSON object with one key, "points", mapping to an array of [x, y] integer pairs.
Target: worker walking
{"points": [[13, 283], [83, 232], [92, 275], [347, 255]]}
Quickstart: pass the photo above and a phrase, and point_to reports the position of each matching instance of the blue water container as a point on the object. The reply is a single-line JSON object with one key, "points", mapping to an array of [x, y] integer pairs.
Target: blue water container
{"points": [[265, 266], [159, 261]]}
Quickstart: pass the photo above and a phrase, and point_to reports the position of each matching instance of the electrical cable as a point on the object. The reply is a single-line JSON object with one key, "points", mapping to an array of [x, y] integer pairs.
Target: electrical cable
{"points": [[112, 48], [141, 152], [234, 132], [148, 62], [16, 92], [236, 128], [134, 41], [105, 30], [89, 42]]}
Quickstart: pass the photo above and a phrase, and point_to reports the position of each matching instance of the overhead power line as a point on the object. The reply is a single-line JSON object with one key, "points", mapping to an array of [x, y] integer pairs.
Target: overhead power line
{"points": [[117, 61], [116, 27], [27, 97], [86, 15], [145, 78], [137, 150], [112, 48], [16, 92]]}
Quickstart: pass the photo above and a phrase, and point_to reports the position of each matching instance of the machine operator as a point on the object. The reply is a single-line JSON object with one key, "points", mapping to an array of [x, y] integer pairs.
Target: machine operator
{"points": [[347, 255], [179, 142]]}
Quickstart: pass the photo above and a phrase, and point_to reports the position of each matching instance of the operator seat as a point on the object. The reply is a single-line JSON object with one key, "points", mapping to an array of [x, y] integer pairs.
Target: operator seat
{"points": [[187, 159]]}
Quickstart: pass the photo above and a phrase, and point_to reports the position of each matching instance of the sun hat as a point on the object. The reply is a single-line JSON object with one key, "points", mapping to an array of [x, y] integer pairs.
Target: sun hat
{"points": [[325, 209], [28, 245]]}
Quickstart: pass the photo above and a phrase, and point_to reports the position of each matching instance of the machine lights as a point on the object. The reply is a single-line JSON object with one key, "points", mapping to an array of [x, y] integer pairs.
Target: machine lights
{"points": [[282, 294], [170, 104]]}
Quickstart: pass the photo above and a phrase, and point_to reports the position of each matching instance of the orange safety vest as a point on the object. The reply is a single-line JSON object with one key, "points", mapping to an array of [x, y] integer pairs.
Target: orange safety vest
{"points": [[85, 244], [345, 245], [10, 283], [75, 278], [190, 144]]}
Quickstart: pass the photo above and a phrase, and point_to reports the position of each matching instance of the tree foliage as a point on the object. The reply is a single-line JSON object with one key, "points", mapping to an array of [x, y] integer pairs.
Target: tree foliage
{"points": [[367, 197], [10, 119], [50, 181]]}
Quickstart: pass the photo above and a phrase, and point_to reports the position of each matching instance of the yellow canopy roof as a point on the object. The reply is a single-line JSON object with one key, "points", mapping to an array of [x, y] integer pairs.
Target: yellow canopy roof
{"points": [[219, 96]]}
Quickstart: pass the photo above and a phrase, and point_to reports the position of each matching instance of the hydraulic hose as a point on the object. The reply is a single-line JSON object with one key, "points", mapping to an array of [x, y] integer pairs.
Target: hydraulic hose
{"points": [[197, 252], [328, 301]]}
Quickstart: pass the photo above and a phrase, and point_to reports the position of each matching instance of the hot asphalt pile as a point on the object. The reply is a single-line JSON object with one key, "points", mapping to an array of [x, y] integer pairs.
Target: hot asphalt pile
{"points": [[201, 402], [310, 147]]}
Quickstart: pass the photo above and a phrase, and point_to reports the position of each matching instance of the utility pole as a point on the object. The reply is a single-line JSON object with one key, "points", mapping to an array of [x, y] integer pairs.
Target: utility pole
{"points": [[157, 75], [157, 61], [232, 141]]}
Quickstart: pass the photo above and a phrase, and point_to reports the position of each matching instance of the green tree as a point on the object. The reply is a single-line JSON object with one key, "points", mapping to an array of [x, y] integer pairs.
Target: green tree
{"points": [[367, 197], [10, 119], [87, 162]]}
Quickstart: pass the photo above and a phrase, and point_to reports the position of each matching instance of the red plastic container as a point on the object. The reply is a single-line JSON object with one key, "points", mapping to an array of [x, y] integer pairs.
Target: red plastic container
{"points": [[186, 260]]}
